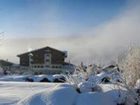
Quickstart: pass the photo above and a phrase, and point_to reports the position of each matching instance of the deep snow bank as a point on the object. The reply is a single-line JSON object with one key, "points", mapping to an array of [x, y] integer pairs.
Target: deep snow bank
{"points": [[94, 99], [65, 94], [25, 93], [60, 95]]}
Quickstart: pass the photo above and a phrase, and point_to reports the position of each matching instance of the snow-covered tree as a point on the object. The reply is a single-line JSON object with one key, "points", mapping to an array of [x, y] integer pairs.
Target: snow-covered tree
{"points": [[130, 65]]}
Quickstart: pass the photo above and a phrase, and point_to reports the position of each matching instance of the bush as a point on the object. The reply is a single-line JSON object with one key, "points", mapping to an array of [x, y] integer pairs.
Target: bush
{"points": [[130, 65], [29, 79], [45, 80]]}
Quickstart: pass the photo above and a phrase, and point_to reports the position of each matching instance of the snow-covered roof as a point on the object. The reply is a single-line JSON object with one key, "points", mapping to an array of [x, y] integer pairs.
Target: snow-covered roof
{"points": [[47, 47], [5, 63]]}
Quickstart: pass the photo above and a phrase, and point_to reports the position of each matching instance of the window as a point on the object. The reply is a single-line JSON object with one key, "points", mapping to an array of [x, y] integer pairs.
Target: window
{"points": [[47, 60], [47, 55]]}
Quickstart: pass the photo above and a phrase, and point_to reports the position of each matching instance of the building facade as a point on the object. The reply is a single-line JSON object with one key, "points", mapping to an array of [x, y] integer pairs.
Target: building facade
{"points": [[47, 59], [5, 64]]}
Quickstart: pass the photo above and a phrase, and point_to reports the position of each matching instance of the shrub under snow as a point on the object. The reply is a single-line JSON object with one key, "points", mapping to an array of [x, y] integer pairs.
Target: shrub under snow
{"points": [[63, 95]]}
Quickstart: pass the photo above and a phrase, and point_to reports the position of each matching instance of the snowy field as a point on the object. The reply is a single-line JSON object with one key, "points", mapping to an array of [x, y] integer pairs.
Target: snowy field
{"points": [[103, 88], [35, 93], [12, 92], [16, 90]]}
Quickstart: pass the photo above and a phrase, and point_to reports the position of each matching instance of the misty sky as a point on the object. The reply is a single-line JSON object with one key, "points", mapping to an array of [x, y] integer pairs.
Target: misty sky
{"points": [[90, 30], [35, 18]]}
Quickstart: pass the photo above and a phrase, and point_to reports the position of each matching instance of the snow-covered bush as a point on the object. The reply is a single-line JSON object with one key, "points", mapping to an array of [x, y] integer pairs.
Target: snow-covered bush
{"points": [[59, 78], [80, 75], [130, 65], [93, 69], [86, 79], [59, 95], [89, 87]]}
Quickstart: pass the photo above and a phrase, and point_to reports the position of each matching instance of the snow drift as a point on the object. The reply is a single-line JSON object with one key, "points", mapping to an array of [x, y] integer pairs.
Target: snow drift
{"points": [[61, 95]]}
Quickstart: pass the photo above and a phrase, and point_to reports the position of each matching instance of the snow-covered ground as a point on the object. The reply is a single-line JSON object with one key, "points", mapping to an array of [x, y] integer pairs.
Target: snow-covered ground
{"points": [[102, 88], [12, 92], [26, 93]]}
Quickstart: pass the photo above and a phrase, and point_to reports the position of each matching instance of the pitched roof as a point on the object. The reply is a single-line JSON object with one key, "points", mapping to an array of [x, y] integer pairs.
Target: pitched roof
{"points": [[38, 50], [5, 63]]}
